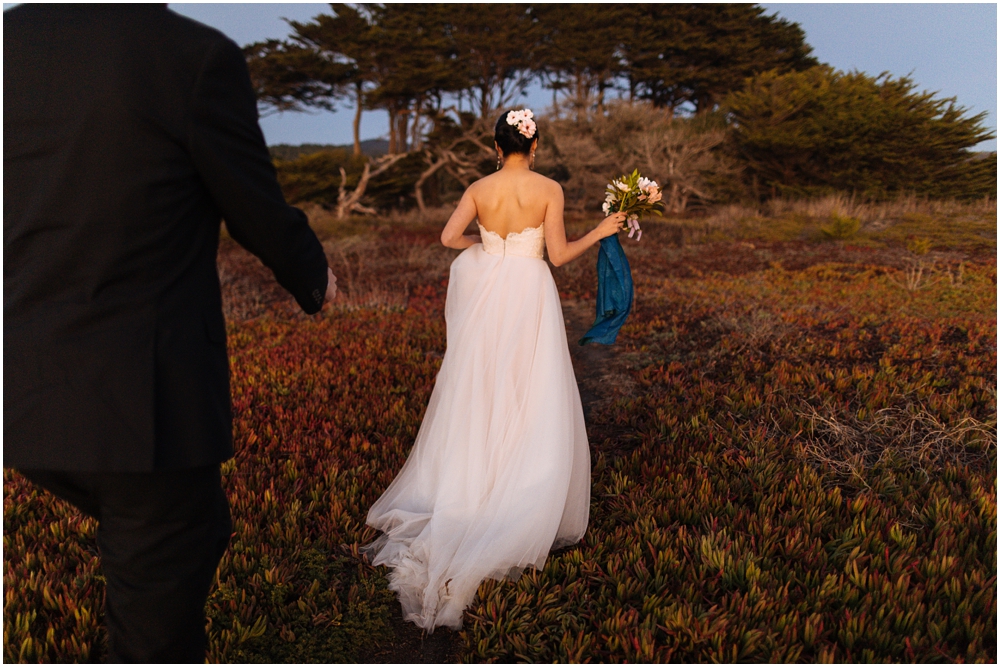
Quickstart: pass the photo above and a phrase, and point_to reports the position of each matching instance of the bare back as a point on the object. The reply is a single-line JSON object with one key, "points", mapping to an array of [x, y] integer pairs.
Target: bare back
{"points": [[514, 199], [511, 201]]}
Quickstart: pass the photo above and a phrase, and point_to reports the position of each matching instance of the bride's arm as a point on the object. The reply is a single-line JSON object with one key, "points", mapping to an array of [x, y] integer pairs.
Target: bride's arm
{"points": [[452, 235], [562, 251]]}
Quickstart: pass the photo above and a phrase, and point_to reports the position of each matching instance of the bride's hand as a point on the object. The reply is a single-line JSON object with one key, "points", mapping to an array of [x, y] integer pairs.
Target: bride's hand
{"points": [[610, 225]]}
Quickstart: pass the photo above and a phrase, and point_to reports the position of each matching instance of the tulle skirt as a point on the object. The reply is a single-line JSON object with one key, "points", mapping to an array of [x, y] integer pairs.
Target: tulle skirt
{"points": [[500, 471]]}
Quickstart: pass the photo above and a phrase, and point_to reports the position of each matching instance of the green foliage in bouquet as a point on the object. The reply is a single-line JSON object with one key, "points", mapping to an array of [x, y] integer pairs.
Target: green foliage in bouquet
{"points": [[634, 195]]}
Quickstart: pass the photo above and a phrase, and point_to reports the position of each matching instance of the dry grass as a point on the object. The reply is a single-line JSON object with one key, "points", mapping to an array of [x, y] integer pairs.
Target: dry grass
{"points": [[908, 437], [868, 212], [356, 261], [378, 264], [375, 270], [900, 222], [437, 215], [750, 330]]}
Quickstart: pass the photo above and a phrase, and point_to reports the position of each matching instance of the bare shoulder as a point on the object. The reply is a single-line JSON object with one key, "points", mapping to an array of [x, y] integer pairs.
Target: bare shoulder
{"points": [[478, 186], [551, 188], [474, 189]]}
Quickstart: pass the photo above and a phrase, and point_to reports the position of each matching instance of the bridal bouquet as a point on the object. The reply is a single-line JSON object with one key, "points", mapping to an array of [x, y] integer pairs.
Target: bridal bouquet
{"points": [[636, 196]]}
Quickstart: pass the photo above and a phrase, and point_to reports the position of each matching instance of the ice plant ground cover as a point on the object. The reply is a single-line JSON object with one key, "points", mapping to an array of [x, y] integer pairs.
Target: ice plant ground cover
{"points": [[794, 459]]}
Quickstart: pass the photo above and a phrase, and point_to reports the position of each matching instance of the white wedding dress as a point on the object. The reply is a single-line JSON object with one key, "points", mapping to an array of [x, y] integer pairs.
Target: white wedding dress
{"points": [[500, 471]]}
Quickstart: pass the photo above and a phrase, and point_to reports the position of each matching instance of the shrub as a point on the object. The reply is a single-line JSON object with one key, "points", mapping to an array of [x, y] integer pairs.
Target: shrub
{"points": [[841, 227], [682, 154], [919, 245], [821, 131], [315, 177]]}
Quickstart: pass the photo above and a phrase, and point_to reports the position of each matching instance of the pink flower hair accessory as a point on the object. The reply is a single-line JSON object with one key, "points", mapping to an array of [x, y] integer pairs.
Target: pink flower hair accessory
{"points": [[522, 120]]}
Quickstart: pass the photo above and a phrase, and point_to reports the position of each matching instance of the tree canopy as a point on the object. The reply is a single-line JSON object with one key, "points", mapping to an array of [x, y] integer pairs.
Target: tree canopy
{"points": [[406, 58], [443, 71], [695, 54]]}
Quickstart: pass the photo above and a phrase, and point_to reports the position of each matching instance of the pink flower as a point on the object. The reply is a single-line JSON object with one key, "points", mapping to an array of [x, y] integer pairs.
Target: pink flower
{"points": [[633, 225], [656, 196], [522, 121]]}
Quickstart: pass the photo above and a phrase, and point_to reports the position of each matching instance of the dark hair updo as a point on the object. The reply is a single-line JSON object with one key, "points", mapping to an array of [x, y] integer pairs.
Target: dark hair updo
{"points": [[509, 139]]}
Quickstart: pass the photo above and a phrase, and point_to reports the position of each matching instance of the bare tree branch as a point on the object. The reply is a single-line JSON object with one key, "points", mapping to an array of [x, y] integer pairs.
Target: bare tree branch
{"points": [[348, 203]]}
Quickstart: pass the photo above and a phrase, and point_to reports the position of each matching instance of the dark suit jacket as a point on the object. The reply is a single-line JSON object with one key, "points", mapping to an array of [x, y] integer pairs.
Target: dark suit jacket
{"points": [[129, 132]]}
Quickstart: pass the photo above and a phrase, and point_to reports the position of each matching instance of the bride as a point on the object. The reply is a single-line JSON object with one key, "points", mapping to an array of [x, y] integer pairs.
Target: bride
{"points": [[500, 471]]}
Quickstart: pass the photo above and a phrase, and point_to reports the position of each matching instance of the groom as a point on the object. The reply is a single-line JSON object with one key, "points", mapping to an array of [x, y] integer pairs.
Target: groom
{"points": [[129, 132]]}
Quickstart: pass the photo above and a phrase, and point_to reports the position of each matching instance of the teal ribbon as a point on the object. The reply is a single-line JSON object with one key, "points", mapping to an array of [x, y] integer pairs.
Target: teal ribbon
{"points": [[614, 293]]}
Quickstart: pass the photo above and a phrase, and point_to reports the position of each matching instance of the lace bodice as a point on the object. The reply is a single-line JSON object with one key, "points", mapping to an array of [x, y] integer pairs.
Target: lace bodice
{"points": [[529, 242]]}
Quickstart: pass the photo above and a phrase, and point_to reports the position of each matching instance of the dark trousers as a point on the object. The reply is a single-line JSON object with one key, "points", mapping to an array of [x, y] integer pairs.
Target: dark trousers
{"points": [[161, 536]]}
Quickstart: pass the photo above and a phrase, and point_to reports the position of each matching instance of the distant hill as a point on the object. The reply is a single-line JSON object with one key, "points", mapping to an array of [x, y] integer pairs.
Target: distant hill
{"points": [[370, 147]]}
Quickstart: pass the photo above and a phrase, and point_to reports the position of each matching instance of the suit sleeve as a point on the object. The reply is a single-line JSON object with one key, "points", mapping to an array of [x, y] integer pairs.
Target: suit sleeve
{"points": [[230, 154]]}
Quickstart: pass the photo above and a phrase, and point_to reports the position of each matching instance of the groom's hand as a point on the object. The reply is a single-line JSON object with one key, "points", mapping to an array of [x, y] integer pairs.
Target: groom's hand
{"points": [[331, 285]]}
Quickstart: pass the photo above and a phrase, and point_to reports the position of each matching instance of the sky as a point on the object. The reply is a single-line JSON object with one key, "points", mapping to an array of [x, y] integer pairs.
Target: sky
{"points": [[950, 49]]}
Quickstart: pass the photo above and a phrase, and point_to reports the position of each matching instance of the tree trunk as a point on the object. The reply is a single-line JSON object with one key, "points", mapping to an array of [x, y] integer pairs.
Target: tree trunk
{"points": [[357, 122], [392, 130], [401, 133], [483, 102], [418, 189], [415, 141], [581, 100]]}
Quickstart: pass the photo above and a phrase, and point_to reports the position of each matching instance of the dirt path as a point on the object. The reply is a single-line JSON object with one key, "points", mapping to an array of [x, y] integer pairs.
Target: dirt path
{"points": [[590, 362], [410, 644]]}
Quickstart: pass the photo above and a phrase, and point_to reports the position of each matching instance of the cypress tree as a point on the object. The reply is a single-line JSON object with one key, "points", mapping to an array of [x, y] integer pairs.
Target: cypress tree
{"points": [[819, 131], [695, 54]]}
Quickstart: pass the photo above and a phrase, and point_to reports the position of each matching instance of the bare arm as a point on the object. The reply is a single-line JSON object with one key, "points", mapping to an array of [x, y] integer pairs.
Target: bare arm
{"points": [[562, 251], [453, 236]]}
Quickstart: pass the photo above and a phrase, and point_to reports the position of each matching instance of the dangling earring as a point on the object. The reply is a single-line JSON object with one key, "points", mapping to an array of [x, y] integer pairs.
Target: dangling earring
{"points": [[531, 165], [499, 162]]}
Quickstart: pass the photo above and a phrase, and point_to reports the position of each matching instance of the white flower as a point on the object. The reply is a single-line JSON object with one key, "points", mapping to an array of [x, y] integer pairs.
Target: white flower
{"points": [[622, 186], [606, 208]]}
